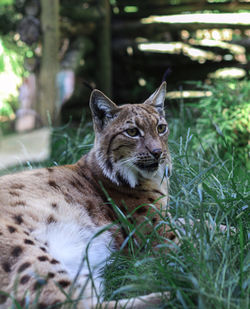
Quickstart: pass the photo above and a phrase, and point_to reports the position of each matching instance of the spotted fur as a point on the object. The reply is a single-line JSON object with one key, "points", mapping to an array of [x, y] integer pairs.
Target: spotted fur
{"points": [[50, 218]]}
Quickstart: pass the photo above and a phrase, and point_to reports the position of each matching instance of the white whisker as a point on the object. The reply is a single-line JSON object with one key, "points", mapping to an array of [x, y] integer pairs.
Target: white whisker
{"points": [[130, 161]]}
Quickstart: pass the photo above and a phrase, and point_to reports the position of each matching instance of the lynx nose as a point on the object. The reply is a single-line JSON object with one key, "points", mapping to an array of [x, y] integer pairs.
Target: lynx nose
{"points": [[156, 153]]}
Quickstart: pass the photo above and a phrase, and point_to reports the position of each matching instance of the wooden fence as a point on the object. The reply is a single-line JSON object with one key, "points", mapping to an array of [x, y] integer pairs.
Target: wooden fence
{"points": [[149, 39], [126, 47]]}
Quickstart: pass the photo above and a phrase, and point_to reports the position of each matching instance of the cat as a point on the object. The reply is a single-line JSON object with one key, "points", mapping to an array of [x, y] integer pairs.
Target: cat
{"points": [[59, 226]]}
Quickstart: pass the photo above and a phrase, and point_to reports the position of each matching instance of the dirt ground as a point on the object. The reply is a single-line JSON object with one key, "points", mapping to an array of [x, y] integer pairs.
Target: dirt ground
{"points": [[16, 149]]}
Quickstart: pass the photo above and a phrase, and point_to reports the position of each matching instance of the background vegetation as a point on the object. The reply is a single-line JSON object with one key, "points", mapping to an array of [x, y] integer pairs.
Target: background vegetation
{"points": [[223, 121]]}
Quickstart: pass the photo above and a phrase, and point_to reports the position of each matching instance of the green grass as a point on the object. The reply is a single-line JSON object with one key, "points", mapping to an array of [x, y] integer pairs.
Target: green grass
{"points": [[209, 269]]}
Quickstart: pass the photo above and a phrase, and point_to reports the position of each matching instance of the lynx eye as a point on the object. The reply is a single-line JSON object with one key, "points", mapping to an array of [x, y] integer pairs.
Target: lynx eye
{"points": [[161, 128], [133, 132]]}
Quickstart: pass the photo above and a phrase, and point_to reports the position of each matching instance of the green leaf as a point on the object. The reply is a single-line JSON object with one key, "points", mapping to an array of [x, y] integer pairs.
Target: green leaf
{"points": [[2, 66], [6, 2]]}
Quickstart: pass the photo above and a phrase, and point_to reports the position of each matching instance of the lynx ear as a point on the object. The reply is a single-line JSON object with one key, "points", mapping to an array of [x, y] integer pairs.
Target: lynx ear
{"points": [[157, 98], [102, 108]]}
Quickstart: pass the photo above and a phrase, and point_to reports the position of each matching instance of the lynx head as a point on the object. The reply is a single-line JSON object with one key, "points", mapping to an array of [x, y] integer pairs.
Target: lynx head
{"points": [[131, 140]]}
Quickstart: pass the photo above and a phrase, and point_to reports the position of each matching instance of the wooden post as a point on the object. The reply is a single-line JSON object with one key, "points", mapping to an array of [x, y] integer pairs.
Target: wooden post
{"points": [[49, 63], [104, 68]]}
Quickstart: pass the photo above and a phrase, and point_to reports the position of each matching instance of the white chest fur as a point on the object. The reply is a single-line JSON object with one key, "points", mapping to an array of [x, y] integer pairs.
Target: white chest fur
{"points": [[72, 245]]}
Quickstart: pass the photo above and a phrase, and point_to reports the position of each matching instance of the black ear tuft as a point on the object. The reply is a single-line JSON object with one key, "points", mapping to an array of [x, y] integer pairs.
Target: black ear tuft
{"points": [[157, 99], [102, 108]]}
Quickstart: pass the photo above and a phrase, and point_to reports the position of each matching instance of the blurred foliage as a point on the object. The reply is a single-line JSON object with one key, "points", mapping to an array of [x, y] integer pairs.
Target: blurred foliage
{"points": [[9, 106], [9, 15], [224, 120], [11, 72], [12, 54]]}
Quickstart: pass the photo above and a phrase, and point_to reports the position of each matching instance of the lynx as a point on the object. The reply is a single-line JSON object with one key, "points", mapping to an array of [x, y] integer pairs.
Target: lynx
{"points": [[58, 225]]}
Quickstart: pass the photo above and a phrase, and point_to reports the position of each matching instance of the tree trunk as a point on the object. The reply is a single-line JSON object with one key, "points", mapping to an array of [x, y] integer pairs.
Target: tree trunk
{"points": [[104, 69], [49, 63]]}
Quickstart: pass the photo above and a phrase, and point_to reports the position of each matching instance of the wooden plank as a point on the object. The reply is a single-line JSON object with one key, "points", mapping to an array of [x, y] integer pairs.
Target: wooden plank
{"points": [[137, 28], [104, 67], [152, 8]]}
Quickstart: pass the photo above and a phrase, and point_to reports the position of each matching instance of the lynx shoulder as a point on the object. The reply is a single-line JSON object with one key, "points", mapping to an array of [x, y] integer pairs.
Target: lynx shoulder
{"points": [[50, 217]]}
